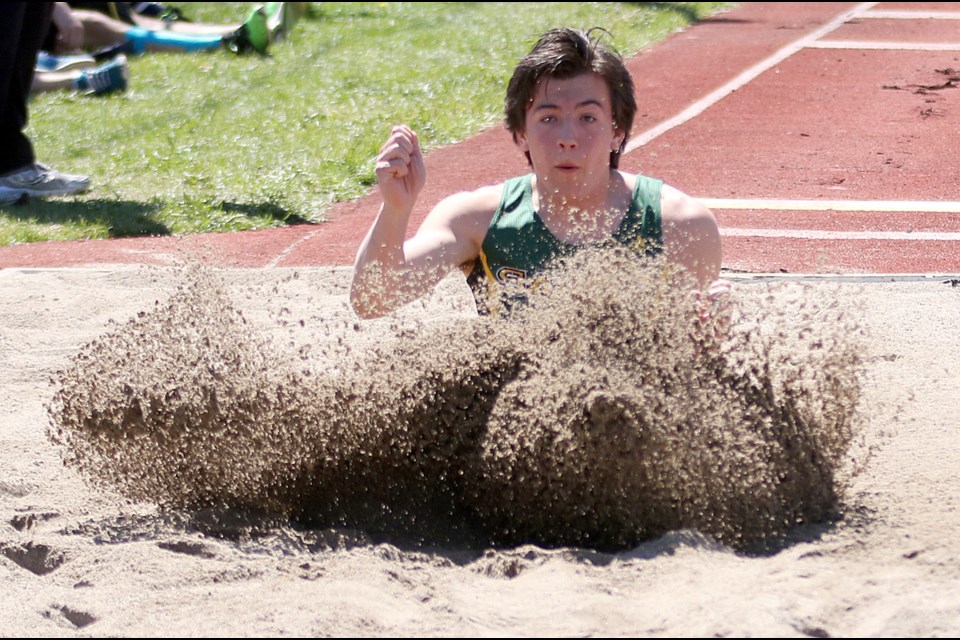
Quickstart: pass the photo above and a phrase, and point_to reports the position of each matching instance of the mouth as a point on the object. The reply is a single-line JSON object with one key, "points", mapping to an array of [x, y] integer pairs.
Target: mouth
{"points": [[566, 167]]}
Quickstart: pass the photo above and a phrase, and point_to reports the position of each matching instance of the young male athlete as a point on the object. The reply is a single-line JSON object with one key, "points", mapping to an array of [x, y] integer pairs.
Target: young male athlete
{"points": [[570, 106]]}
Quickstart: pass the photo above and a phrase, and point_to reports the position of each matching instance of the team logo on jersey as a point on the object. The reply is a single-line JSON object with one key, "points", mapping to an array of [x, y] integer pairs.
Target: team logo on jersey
{"points": [[507, 275], [639, 244]]}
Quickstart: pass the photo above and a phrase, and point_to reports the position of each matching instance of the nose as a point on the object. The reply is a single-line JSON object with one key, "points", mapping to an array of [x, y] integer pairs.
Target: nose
{"points": [[567, 139]]}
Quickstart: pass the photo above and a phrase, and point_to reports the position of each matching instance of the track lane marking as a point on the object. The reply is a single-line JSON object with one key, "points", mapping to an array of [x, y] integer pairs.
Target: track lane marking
{"points": [[893, 46], [290, 248], [858, 278], [814, 234], [743, 78], [896, 206], [919, 14]]}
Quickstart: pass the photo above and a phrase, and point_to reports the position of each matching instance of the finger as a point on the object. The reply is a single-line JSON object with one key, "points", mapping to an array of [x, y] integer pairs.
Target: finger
{"points": [[394, 168], [415, 141], [394, 152], [403, 138], [396, 148], [409, 136]]}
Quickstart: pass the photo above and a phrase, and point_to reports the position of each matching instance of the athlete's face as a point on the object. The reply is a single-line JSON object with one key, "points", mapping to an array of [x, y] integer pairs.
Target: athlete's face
{"points": [[569, 130]]}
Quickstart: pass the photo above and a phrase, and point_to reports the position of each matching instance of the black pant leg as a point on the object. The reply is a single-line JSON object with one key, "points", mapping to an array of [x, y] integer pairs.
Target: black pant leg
{"points": [[23, 26]]}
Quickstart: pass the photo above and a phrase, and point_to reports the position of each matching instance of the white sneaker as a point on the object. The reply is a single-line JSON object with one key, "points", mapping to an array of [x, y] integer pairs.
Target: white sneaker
{"points": [[40, 181], [49, 62], [9, 196]]}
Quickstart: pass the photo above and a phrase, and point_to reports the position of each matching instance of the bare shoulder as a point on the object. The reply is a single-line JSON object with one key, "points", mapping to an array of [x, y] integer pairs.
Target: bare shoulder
{"points": [[469, 203], [678, 207], [467, 212], [453, 231], [691, 235]]}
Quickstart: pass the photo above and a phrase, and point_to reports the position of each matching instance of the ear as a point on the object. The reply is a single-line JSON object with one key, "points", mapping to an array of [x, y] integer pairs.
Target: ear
{"points": [[618, 139], [520, 139]]}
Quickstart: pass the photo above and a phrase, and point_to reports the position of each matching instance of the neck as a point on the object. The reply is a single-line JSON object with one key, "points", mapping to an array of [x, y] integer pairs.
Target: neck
{"points": [[587, 215]]}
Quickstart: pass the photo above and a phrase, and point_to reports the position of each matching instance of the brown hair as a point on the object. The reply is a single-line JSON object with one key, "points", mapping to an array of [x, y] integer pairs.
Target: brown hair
{"points": [[564, 53]]}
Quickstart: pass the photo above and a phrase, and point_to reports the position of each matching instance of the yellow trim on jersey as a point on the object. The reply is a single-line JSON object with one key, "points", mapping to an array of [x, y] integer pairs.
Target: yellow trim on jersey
{"points": [[491, 279], [486, 266]]}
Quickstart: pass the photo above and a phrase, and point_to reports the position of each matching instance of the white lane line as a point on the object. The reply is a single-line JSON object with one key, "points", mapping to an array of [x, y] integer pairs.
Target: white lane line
{"points": [[816, 234], [715, 96], [913, 206], [280, 257], [911, 15], [893, 46], [753, 278]]}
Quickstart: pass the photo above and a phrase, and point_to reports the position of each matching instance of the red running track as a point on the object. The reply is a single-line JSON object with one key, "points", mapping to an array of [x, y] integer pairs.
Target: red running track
{"points": [[823, 135]]}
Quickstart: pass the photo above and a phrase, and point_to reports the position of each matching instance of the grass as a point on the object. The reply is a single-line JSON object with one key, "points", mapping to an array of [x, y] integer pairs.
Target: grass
{"points": [[211, 142]]}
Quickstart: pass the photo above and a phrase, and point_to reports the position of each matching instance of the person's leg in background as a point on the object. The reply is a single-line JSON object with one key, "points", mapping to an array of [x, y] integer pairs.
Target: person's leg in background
{"points": [[99, 80], [23, 27]]}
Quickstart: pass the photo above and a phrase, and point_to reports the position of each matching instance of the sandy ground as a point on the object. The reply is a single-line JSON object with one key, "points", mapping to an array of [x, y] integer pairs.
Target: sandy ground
{"points": [[77, 560]]}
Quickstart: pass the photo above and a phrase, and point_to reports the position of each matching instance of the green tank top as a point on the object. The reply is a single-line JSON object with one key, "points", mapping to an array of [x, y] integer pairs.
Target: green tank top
{"points": [[518, 245]]}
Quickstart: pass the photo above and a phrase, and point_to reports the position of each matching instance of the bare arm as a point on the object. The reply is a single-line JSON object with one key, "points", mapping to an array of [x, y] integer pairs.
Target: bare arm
{"points": [[691, 237], [70, 30], [390, 272]]}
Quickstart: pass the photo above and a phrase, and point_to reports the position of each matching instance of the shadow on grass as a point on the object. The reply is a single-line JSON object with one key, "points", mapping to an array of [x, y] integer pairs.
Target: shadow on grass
{"points": [[121, 218], [128, 219], [264, 210], [690, 14]]}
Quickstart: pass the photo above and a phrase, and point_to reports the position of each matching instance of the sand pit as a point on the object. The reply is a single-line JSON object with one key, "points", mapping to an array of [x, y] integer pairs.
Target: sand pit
{"points": [[403, 526]]}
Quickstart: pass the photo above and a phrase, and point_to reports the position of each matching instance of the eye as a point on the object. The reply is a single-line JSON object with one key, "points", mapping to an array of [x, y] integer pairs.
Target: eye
{"points": [[588, 117]]}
